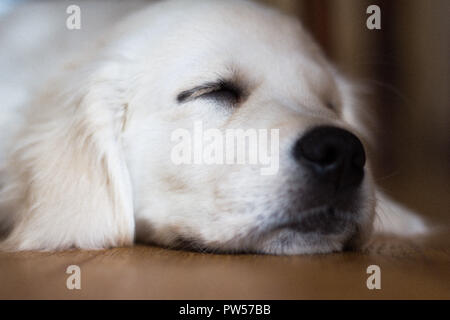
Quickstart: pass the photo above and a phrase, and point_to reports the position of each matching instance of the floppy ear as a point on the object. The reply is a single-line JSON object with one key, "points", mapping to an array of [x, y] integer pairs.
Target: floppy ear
{"points": [[67, 184]]}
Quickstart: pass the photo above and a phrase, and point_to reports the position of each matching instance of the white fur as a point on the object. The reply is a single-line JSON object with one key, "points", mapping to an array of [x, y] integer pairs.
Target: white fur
{"points": [[90, 166]]}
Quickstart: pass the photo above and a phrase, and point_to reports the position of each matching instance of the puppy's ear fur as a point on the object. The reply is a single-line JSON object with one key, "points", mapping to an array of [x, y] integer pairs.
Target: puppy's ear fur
{"points": [[66, 183]]}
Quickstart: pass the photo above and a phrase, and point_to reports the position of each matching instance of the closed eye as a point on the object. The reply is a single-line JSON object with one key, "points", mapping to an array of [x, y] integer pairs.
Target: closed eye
{"points": [[221, 91]]}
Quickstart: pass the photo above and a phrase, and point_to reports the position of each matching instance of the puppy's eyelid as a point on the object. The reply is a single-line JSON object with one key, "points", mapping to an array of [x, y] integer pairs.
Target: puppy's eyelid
{"points": [[221, 90], [195, 92]]}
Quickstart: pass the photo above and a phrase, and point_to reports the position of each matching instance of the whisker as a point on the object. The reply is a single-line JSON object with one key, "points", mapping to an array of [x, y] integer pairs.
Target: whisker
{"points": [[391, 88]]}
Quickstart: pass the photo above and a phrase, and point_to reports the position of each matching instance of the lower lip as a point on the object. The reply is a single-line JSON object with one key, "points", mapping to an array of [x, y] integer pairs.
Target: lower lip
{"points": [[326, 222]]}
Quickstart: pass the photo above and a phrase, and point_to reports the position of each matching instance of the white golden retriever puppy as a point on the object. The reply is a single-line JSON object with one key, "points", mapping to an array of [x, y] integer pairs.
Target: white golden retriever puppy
{"points": [[88, 116]]}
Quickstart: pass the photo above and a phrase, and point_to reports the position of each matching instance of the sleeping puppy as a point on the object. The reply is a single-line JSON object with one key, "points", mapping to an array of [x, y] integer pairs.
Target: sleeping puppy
{"points": [[89, 119]]}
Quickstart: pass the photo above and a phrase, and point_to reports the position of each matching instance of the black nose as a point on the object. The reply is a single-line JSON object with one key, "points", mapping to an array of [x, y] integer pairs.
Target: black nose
{"points": [[333, 155]]}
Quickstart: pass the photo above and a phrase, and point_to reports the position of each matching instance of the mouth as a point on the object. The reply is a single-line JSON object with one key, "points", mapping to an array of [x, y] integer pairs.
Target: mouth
{"points": [[319, 230], [322, 221]]}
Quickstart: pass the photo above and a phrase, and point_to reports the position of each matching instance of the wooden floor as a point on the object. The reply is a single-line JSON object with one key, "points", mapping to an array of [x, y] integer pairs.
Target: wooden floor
{"points": [[409, 270]]}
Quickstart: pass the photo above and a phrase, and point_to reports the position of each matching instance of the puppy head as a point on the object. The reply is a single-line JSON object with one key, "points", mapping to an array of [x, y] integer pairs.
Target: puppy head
{"points": [[226, 67], [108, 144]]}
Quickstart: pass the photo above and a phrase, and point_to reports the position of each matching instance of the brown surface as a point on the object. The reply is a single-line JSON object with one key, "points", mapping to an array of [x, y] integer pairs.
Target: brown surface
{"points": [[408, 271]]}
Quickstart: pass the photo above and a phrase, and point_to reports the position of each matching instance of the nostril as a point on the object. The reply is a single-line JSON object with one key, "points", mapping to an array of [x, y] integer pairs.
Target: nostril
{"points": [[328, 154], [321, 154], [335, 155]]}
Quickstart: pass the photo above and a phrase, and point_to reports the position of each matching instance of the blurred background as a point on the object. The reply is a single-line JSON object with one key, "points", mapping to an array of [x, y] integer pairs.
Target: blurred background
{"points": [[407, 66]]}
